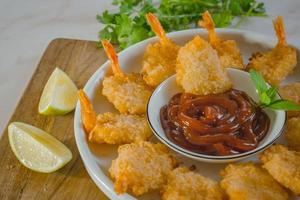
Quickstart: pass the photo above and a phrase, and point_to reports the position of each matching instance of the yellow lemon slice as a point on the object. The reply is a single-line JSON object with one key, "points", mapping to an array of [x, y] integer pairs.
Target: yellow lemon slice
{"points": [[59, 95], [37, 149]]}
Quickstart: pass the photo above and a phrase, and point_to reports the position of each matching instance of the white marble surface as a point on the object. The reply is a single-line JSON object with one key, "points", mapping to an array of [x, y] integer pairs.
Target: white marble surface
{"points": [[27, 27]]}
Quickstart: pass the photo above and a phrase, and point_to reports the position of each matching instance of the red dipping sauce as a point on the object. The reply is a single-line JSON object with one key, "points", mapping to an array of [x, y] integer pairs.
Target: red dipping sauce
{"points": [[221, 124]]}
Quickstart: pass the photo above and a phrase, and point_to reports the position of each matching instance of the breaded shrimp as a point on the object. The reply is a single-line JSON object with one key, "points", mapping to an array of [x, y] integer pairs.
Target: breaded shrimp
{"points": [[127, 92], [141, 167], [276, 64], [247, 181], [291, 92], [88, 115], [228, 50], [292, 133], [284, 166], [159, 60], [184, 184], [112, 128], [199, 70]]}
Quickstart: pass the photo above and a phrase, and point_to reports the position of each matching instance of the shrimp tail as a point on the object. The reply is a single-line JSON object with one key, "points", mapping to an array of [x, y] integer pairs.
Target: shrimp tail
{"points": [[113, 57], [279, 30], [88, 115], [208, 23], [156, 27]]}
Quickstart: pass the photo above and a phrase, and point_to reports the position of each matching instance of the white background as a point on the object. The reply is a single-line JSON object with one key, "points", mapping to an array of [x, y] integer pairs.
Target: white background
{"points": [[27, 27]]}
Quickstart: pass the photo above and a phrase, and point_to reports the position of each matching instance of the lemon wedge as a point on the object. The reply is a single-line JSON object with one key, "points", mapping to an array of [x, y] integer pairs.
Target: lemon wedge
{"points": [[59, 95], [36, 149]]}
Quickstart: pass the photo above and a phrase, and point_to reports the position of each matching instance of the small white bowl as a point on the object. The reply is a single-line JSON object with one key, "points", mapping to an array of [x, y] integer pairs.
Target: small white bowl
{"points": [[241, 81]]}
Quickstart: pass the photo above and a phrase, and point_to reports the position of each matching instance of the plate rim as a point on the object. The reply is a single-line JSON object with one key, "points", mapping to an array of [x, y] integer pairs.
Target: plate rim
{"points": [[94, 171]]}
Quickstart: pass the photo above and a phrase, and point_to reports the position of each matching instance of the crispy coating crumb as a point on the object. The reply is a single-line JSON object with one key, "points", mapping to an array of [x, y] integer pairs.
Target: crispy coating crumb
{"points": [[277, 63], [229, 54], [292, 133], [199, 70], [115, 128], [247, 181], [274, 65], [184, 184], [128, 93], [291, 92], [159, 62], [284, 166], [141, 167], [227, 50]]}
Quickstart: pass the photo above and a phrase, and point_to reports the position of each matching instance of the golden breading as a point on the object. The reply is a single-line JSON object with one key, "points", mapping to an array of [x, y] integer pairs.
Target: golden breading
{"points": [[229, 54], [129, 93], [292, 133], [227, 50], [199, 70], [291, 92], [160, 57], [276, 64], [112, 128], [141, 167], [184, 184], [159, 62], [247, 181], [284, 166]]}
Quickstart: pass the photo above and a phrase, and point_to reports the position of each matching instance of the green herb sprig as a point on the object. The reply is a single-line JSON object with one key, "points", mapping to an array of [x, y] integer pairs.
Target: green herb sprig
{"points": [[267, 94], [129, 26]]}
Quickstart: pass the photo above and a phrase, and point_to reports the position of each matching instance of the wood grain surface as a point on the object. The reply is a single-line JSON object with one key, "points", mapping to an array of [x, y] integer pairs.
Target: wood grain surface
{"points": [[79, 59]]}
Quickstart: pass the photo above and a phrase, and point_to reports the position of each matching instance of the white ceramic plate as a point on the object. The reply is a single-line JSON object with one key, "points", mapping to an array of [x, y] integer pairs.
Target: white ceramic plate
{"points": [[97, 158]]}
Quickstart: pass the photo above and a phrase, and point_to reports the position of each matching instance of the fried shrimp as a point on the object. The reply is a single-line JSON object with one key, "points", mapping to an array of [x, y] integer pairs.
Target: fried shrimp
{"points": [[276, 64], [112, 128], [292, 133], [228, 50], [159, 59], [141, 167], [247, 181], [291, 92], [199, 70], [184, 184], [284, 166], [128, 92]]}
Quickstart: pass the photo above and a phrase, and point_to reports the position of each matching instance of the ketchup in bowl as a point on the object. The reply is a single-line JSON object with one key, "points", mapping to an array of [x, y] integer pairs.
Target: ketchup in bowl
{"points": [[221, 124]]}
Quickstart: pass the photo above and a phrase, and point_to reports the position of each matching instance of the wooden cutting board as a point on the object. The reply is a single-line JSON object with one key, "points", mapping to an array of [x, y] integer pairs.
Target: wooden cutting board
{"points": [[79, 59]]}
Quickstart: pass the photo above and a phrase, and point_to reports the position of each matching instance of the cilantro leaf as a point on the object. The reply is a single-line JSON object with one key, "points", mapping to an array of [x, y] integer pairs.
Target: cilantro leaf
{"points": [[129, 25], [105, 18], [108, 33], [235, 7], [222, 19]]}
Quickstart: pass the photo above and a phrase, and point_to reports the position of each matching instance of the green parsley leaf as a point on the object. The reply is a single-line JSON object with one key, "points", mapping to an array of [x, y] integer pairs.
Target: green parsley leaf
{"points": [[173, 15], [108, 33], [105, 18], [236, 7], [284, 105], [222, 19]]}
